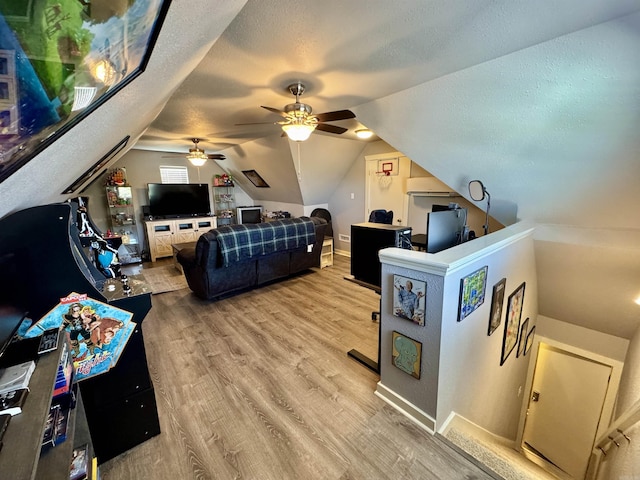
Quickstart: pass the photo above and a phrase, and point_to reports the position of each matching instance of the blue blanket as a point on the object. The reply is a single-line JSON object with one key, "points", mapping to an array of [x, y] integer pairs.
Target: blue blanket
{"points": [[239, 243]]}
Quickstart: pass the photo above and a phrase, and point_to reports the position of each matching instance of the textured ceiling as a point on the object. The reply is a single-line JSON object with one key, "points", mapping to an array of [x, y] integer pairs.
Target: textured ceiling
{"points": [[540, 100]]}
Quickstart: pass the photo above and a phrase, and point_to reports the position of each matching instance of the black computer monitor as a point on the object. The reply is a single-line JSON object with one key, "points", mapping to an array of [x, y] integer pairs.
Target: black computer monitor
{"points": [[445, 229]]}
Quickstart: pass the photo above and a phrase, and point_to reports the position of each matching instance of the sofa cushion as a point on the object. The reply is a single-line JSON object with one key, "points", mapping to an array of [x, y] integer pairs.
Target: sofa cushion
{"points": [[244, 242]]}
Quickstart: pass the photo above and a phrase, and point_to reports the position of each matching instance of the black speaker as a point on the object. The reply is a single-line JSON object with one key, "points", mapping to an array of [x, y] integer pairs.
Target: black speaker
{"points": [[146, 212]]}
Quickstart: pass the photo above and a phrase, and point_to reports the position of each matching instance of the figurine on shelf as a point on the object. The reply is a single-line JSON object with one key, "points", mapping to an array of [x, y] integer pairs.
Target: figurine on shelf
{"points": [[223, 180], [117, 177]]}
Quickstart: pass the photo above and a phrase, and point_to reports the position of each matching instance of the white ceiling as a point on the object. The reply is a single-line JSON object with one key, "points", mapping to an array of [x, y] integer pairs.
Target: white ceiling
{"points": [[540, 100]]}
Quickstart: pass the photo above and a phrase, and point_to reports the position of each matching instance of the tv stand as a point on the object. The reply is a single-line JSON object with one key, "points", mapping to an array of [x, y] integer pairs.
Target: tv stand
{"points": [[163, 234]]}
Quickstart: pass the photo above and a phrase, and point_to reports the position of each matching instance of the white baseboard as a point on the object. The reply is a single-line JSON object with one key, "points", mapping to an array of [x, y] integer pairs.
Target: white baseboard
{"points": [[413, 413], [344, 253]]}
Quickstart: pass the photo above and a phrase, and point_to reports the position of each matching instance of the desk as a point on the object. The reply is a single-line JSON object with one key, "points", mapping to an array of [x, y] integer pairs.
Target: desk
{"points": [[419, 240]]}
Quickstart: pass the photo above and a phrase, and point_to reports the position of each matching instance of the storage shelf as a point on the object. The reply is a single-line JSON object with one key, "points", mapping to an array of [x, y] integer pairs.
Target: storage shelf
{"points": [[21, 457]]}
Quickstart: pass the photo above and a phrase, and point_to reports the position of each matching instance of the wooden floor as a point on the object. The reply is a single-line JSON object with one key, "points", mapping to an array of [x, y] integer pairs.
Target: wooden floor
{"points": [[259, 386]]}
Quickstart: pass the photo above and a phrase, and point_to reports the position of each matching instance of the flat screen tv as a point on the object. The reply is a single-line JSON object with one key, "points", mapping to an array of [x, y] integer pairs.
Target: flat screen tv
{"points": [[445, 229], [176, 200], [249, 214]]}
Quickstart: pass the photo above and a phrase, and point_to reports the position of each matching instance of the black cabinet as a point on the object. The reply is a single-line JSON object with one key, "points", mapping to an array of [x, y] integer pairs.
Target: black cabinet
{"points": [[367, 239], [41, 249]]}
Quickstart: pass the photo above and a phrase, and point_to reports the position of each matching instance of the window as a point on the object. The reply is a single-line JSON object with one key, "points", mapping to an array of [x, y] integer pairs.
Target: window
{"points": [[170, 174]]}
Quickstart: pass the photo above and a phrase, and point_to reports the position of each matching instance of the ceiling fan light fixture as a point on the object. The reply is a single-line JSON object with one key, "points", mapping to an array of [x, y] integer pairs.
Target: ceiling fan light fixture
{"points": [[197, 157], [298, 132], [364, 133]]}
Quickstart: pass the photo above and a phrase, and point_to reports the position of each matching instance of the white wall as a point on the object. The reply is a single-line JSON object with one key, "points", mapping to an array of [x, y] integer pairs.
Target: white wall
{"points": [[583, 338], [624, 462], [345, 208]]}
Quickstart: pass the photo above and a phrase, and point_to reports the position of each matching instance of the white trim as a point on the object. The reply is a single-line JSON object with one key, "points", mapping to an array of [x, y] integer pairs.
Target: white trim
{"points": [[413, 413], [453, 259], [612, 390]]}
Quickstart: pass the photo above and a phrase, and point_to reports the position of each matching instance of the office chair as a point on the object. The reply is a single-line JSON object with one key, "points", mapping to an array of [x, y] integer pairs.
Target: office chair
{"points": [[381, 216], [324, 213]]}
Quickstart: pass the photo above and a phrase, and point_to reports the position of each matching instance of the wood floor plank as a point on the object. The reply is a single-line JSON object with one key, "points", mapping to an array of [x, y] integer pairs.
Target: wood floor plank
{"points": [[259, 386]]}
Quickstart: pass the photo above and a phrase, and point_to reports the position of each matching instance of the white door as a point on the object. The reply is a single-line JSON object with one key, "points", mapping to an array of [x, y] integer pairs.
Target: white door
{"points": [[387, 192], [565, 406]]}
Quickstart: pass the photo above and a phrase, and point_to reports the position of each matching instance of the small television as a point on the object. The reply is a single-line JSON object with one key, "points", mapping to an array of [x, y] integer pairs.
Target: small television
{"points": [[249, 214], [176, 200], [445, 229]]}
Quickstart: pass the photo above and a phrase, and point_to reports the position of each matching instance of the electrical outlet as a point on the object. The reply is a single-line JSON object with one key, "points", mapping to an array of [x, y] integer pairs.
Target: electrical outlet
{"points": [[344, 238]]}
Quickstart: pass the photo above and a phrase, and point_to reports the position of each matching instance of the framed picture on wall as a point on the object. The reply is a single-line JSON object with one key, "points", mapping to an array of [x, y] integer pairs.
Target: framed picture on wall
{"points": [[407, 354], [497, 300], [522, 341], [409, 298], [472, 289], [512, 322], [529, 342]]}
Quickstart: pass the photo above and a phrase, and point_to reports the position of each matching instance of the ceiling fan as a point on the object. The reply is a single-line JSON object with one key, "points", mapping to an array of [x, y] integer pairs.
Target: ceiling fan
{"points": [[299, 122], [197, 156]]}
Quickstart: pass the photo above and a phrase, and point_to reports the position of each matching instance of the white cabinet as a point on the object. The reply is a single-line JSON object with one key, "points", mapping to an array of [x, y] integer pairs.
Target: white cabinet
{"points": [[163, 234]]}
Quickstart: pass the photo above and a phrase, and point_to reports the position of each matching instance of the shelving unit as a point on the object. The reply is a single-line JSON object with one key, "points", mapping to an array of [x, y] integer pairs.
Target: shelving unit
{"points": [[21, 457], [225, 204], [122, 222], [326, 256]]}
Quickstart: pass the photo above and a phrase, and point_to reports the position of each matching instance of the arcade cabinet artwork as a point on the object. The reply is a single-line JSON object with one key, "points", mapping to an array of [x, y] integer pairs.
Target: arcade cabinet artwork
{"points": [[98, 332], [105, 256]]}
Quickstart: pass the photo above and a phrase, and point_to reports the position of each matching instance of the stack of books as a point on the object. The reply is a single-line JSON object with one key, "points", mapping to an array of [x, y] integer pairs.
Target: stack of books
{"points": [[63, 400]]}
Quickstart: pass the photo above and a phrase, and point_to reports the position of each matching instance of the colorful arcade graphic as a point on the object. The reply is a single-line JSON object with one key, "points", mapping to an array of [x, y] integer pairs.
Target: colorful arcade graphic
{"points": [[98, 332]]}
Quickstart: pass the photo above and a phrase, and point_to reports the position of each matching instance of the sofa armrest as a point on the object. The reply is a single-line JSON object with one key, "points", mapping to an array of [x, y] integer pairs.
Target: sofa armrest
{"points": [[187, 257]]}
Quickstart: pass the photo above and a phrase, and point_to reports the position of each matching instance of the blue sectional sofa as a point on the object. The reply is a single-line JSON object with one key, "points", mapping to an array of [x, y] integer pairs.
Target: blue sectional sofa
{"points": [[233, 258]]}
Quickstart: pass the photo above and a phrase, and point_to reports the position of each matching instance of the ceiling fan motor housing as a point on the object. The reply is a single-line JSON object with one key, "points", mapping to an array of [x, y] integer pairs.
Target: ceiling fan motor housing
{"points": [[298, 109]]}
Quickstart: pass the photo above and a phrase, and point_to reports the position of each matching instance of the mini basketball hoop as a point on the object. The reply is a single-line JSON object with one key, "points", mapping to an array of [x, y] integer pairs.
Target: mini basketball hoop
{"points": [[387, 168]]}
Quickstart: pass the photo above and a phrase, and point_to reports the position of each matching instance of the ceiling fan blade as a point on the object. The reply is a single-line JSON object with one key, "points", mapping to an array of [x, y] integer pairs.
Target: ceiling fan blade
{"points": [[276, 111], [333, 116], [330, 128], [216, 156], [257, 123]]}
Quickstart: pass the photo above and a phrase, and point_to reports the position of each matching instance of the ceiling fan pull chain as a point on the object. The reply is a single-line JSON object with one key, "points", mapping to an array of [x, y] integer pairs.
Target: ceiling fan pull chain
{"points": [[299, 165]]}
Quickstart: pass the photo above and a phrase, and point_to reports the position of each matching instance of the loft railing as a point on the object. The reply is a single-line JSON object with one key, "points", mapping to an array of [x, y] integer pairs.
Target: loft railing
{"points": [[614, 438]]}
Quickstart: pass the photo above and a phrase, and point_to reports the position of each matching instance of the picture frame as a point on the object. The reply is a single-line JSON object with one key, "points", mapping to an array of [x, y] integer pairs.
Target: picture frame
{"points": [[522, 339], [255, 178], [96, 167], [529, 341], [406, 354], [409, 299], [63, 61], [472, 292], [512, 322], [497, 301]]}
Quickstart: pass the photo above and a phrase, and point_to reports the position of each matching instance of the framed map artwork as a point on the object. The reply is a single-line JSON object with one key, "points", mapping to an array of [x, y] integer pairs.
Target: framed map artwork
{"points": [[472, 290], [407, 354]]}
